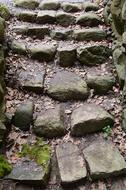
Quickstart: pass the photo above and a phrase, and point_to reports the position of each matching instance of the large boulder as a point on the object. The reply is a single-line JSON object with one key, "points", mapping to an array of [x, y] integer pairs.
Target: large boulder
{"points": [[29, 4], [104, 160], [51, 123], [89, 118], [67, 85]]}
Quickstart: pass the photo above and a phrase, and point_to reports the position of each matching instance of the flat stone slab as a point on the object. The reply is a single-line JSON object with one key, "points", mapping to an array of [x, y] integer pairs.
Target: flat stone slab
{"points": [[18, 47], [45, 17], [88, 19], [71, 163], [89, 118], [100, 83], [67, 85], [27, 16], [43, 52], [32, 78], [65, 19], [93, 54], [66, 56], [39, 31], [95, 34], [29, 172], [104, 160], [51, 123]]}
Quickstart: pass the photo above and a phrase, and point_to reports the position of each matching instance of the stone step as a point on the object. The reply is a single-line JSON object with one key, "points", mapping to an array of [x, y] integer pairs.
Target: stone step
{"points": [[68, 6], [66, 53], [60, 17], [72, 167], [60, 33], [89, 118]]}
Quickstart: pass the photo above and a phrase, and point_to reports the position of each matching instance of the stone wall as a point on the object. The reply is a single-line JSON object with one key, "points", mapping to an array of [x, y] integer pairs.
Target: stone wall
{"points": [[2, 84], [115, 14]]}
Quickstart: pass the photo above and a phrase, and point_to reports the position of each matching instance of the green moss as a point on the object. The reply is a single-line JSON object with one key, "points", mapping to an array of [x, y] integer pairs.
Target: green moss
{"points": [[5, 166], [4, 12], [40, 152]]}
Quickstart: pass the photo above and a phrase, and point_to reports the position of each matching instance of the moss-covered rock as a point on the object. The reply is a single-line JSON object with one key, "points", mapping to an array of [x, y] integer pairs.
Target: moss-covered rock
{"points": [[4, 12], [1, 29], [36, 168], [5, 166]]}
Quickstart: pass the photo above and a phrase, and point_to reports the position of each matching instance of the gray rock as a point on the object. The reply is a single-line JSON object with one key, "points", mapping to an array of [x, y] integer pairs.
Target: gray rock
{"points": [[119, 184], [32, 79], [89, 118], [71, 7], [63, 34], [71, 163], [104, 160], [65, 19], [51, 123], [28, 172], [88, 19], [29, 4], [88, 6], [94, 34], [18, 47], [124, 120], [66, 56], [67, 86], [45, 17], [93, 54], [49, 5], [43, 51], [23, 115], [100, 83], [27, 16], [2, 131], [2, 29]]}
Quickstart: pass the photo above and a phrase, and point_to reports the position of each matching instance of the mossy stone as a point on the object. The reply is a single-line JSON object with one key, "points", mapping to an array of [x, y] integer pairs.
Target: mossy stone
{"points": [[4, 12], [29, 4], [2, 27]]}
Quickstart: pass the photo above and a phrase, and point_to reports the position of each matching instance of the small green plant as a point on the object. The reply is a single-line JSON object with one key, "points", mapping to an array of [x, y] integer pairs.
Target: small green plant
{"points": [[107, 131], [5, 166], [40, 152]]}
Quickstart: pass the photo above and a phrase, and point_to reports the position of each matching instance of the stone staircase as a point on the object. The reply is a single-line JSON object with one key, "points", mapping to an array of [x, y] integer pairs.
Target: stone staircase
{"points": [[64, 66]]}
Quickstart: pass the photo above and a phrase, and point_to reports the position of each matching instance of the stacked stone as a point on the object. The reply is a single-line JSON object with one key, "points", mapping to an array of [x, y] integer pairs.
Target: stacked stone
{"points": [[115, 11], [4, 15], [98, 160]]}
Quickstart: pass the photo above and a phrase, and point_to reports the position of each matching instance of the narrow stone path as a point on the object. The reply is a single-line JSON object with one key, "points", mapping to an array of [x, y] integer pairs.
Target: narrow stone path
{"points": [[62, 86]]}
